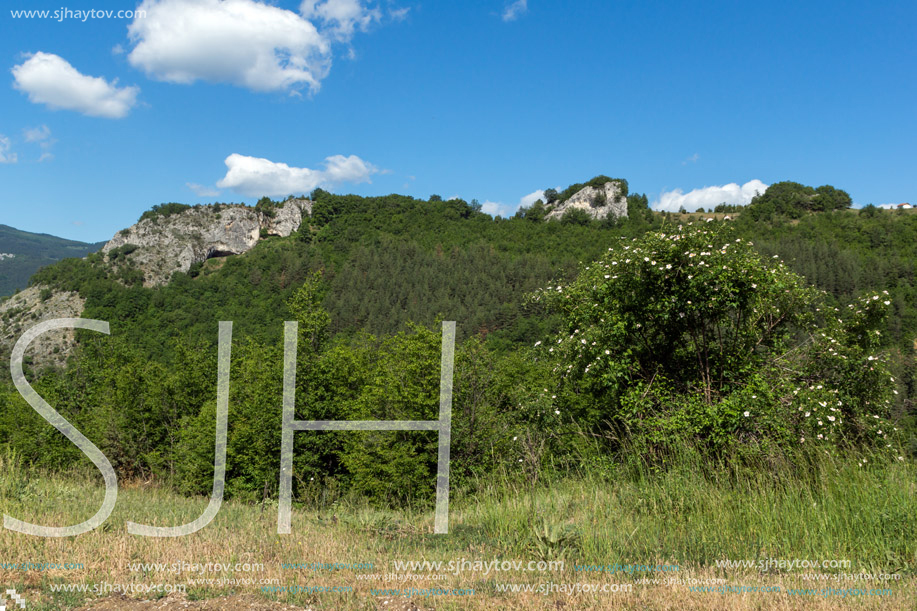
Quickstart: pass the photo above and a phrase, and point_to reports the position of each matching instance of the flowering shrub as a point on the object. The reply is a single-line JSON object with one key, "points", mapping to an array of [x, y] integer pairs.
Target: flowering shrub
{"points": [[692, 334]]}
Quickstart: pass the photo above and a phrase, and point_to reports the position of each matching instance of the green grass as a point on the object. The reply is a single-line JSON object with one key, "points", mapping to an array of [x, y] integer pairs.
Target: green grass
{"points": [[692, 514]]}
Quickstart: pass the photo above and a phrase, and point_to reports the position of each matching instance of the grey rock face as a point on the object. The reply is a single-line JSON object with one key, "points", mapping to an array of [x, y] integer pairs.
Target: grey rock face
{"points": [[26, 309], [167, 244], [286, 220], [590, 200]]}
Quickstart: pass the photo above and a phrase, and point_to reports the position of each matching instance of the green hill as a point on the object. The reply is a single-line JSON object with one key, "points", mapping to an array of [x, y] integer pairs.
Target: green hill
{"points": [[32, 251], [369, 277]]}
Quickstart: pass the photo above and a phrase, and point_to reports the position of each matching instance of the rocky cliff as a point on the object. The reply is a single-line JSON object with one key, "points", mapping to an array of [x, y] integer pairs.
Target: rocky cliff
{"points": [[598, 203], [26, 309], [162, 245], [158, 246]]}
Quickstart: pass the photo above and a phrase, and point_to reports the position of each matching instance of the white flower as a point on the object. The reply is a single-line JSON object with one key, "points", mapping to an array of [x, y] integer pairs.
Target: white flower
{"points": [[538, 343], [747, 414], [515, 438], [557, 411]]}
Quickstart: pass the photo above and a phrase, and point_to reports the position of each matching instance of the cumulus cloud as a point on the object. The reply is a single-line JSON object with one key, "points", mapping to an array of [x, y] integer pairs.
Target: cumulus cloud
{"points": [[201, 190], [515, 10], [241, 42], [246, 43], [255, 176], [50, 79], [708, 197], [5, 155], [506, 210], [340, 18], [531, 198]]}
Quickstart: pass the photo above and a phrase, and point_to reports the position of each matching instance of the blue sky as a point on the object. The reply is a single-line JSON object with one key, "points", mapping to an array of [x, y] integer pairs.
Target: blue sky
{"points": [[228, 100]]}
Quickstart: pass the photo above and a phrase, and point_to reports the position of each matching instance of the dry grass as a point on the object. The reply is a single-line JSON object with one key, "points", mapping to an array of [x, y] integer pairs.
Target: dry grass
{"points": [[245, 533]]}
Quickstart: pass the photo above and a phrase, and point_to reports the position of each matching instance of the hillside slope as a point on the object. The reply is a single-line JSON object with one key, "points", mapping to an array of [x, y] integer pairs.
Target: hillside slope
{"points": [[31, 251]]}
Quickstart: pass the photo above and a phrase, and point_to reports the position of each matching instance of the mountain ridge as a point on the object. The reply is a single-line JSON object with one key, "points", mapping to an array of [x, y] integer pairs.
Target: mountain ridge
{"points": [[31, 251]]}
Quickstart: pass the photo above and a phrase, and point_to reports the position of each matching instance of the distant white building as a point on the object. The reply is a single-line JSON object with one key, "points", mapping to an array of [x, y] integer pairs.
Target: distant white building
{"points": [[904, 206]]}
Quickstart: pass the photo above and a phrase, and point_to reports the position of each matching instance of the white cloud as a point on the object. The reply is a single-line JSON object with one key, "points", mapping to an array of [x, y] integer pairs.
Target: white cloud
{"points": [[241, 42], [42, 133], [692, 159], [201, 190], [504, 210], [246, 43], [255, 176], [49, 79], [531, 198], [708, 197], [5, 155], [514, 10], [340, 18], [399, 14]]}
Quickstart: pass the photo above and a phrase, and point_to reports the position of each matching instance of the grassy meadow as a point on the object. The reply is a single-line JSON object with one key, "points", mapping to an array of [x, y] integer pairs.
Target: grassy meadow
{"points": [[857, 508]]}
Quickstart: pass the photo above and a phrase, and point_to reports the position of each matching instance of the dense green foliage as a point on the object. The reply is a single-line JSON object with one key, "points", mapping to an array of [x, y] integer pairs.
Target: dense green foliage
{"points": [[691, 335], [794, 200], [369, 280]]}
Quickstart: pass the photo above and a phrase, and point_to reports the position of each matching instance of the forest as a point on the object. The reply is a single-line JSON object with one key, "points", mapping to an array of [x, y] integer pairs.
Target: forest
{"points": [[786, 330]]}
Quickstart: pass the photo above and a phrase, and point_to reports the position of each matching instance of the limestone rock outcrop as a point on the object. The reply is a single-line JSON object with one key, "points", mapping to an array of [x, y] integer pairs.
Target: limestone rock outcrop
{"points": [[163, 245], [598, 203], [31, 306]]}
